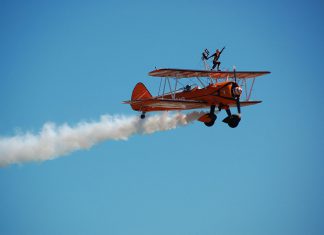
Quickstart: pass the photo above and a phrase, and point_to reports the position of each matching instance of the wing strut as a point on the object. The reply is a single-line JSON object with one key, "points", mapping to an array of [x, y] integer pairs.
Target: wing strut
{"points": [[164, 88], [172, 94], [251, 89], [201, 82], [160, 86]]}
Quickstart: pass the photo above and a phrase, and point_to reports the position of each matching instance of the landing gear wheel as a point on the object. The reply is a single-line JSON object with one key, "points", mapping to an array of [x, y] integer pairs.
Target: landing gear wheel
{"points": [[213, 118], [143, 115], [234, 120]]}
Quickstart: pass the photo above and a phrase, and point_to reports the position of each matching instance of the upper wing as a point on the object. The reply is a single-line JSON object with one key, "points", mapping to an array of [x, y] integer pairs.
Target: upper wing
{"points": [[188, 73]]}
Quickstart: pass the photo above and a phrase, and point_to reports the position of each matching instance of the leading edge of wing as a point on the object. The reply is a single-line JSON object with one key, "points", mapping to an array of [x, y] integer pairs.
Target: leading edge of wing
{"points": [[247, 103], [189, 73]]}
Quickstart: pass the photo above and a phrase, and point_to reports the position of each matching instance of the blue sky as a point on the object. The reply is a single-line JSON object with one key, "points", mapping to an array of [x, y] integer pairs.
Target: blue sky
{"points": [[68, 61]]}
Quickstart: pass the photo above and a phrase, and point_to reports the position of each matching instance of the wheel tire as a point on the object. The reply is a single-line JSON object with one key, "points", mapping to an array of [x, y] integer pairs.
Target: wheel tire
{"points": [[209, 124], [142, 116], [213, 119], [234, 120]]}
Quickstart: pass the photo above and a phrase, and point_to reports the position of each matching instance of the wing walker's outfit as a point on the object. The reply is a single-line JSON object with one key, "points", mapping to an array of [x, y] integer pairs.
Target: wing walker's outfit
{"points": [[216, 56]]}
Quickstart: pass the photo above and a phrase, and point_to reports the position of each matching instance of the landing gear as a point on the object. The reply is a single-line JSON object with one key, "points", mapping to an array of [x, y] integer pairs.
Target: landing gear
{"points": [[232, 120], [143, 115], [212, 116]]}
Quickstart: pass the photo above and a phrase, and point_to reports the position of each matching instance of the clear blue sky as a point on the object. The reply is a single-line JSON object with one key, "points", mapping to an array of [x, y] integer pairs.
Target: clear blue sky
{"points": [[66, 61]]}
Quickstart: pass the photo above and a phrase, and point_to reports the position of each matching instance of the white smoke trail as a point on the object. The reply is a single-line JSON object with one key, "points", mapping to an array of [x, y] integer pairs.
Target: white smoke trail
{"points": [[54, 141]]}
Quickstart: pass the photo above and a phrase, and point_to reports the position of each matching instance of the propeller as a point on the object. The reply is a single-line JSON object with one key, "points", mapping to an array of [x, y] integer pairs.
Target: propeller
{"points": [[238, 104], [233, 120], [237, 95], [234, 69]]}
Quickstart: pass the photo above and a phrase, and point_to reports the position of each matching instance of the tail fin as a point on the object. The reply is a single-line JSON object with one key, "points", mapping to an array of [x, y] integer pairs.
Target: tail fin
{"points": [[140, 92]]}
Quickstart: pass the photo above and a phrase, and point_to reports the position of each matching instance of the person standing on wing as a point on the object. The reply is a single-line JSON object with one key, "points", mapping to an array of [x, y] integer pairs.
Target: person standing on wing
{"points": [[216, 56]]}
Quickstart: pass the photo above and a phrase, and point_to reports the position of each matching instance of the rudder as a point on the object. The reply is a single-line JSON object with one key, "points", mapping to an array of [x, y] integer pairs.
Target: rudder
{"points": [[140, 92]]}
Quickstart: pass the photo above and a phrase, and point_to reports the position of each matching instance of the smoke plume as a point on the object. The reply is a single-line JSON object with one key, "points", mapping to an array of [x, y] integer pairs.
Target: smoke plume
{"points": [[54, 141]]}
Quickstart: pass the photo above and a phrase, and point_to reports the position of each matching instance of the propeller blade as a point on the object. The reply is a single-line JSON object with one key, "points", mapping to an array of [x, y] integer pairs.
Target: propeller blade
{"points": [[238, 104], [234, 74]]}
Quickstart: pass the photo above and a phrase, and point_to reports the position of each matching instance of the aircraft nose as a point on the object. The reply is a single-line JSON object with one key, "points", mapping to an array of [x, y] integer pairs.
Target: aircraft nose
{"points": [[237, 91]]}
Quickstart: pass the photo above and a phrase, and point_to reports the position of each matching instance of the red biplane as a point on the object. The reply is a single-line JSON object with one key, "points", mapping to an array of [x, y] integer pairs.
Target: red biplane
{"points": [[219, 89]]}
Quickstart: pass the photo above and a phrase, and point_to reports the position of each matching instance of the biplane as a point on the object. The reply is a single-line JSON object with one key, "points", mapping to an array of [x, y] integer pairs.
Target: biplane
{"points": [[211, 89]]}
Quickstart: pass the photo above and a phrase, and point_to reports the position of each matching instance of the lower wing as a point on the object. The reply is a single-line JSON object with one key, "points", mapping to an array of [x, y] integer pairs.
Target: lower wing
{"points": [[159, 104], [165, 104]]}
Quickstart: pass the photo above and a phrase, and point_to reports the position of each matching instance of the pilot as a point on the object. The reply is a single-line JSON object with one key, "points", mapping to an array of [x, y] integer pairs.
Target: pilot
{"points": [[216, 56], [187, 88]]}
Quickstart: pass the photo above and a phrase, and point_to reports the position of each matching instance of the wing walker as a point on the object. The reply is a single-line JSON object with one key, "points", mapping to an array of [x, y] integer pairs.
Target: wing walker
{"points": [[185, 89]]}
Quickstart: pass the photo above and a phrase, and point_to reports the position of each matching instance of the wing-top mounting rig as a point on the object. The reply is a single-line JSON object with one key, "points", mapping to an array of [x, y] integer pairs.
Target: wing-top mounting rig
{"points": [[211, 89]]}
